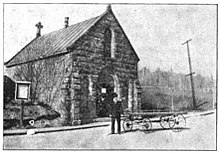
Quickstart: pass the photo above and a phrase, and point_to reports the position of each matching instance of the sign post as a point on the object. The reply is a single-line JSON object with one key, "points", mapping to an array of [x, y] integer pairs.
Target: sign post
{"points": [[22, 92]]}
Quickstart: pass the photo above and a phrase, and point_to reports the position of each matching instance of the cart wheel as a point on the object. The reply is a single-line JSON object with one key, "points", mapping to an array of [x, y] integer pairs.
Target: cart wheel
{"points": [[127, 125], [164, 121], [146, 124], [180, 122]]}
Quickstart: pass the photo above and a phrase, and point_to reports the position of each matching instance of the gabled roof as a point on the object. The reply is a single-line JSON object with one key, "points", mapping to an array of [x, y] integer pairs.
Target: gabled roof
{"points": [[54, 43]]}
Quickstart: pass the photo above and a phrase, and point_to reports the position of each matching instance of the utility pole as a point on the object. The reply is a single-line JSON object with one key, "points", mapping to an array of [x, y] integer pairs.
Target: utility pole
{"points": [[191, 73]]}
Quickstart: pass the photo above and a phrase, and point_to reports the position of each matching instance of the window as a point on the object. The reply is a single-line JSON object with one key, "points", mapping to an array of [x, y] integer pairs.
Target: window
{"points": [[107, 43], [113, 44]]}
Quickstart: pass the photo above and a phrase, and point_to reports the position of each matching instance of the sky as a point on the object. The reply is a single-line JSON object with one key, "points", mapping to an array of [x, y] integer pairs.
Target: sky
{"points": [[155, 31]]}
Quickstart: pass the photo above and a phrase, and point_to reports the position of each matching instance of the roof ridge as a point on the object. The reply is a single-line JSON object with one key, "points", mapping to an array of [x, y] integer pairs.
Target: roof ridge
{"points": [[75, 24]]}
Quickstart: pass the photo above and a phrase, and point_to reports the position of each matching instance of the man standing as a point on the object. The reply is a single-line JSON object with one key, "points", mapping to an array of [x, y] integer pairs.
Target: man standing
{"points": [[115, 112]]}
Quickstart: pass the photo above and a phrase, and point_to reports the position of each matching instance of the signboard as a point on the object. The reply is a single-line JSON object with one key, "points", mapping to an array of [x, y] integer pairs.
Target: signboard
{"points": [[22, 90], [103, 90]]}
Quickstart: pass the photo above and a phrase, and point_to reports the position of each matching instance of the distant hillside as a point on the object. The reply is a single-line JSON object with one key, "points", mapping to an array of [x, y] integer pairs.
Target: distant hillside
{"points": [[159, 88]]}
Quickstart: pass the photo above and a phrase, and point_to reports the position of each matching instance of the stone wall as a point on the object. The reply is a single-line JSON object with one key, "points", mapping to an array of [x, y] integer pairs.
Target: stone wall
{"points": [[88, 52]]}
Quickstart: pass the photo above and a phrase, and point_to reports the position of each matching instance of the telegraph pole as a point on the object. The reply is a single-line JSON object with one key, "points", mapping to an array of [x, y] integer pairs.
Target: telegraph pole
{"points": [[191, 73]]}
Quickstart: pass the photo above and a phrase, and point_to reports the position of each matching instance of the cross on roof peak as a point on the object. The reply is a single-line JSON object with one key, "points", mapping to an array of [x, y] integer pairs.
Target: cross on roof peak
{"points": [[39, 27]]}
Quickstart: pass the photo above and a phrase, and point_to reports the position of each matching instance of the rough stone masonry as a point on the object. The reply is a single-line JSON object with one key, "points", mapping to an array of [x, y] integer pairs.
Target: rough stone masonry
{"points": [[69, 68]]}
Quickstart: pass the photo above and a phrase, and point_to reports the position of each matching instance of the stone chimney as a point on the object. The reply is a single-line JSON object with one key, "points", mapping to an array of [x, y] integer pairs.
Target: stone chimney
{"points": [[66, 22], [39, 27]]}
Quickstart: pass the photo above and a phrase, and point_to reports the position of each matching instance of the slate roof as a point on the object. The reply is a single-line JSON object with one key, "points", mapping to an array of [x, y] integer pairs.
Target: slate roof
{"points": [[53, 43]]}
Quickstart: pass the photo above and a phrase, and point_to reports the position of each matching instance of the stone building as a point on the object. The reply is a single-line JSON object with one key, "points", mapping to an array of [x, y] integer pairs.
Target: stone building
{"points": [[70, 68]]}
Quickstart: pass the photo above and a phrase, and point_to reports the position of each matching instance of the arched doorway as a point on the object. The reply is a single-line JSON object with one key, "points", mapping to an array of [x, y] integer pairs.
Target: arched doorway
{"points": [[105, 88]]}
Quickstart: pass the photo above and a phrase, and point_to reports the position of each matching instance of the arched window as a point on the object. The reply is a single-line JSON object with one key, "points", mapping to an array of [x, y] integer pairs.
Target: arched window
{"points": [[107, 43]]}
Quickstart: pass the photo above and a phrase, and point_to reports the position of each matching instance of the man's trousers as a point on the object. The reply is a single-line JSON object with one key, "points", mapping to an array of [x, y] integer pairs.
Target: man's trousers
{"points": [[118, 118]]}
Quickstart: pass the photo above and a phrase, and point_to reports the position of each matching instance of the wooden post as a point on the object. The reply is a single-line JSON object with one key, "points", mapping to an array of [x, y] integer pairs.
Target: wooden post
{"points": [[21, 114], [191, 73]]}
